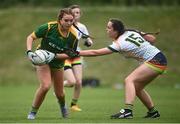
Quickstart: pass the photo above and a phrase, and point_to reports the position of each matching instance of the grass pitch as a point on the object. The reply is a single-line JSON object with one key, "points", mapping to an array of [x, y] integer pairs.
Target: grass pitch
{"points": [[97, 104]]}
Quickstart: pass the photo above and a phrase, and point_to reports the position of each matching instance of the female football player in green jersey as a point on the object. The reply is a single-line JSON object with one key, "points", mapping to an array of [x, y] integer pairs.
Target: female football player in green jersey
{"points": [[55, 36]]}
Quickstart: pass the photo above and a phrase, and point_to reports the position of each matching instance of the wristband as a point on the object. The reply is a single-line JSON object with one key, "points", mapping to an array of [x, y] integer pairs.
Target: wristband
{"points": [[28, 51]]}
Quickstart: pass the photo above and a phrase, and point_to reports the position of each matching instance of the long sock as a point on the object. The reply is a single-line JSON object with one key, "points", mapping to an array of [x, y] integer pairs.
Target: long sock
{"points": [[34, 110], [153, 109], [74, 102], [129, 106], [61, 101]]}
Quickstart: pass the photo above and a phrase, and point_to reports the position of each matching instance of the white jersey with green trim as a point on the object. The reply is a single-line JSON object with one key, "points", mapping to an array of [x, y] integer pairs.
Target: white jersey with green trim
{"points": [[83, 29], [132, 44]]}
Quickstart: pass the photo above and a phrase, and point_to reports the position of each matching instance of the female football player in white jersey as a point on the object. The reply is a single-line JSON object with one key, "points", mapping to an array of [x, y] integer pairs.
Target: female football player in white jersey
{"points": [[134, 44], [73, 66], [137, 45]]}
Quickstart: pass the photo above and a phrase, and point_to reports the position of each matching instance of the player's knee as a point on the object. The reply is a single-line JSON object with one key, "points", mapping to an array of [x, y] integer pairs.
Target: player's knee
{"points": [[138, 87], [78, 82], [45, 88], [129, 80], [71, 82]]}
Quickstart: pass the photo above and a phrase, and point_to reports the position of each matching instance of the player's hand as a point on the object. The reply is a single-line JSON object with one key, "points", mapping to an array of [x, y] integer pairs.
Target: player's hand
{"points": [[88, 43], [30, 56], [72, 53], [50, 56]]}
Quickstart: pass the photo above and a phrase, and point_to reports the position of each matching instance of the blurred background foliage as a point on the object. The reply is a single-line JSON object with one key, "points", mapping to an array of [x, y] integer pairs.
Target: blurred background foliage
{"points": [[20, 17], [18, 22], [64, 3]]}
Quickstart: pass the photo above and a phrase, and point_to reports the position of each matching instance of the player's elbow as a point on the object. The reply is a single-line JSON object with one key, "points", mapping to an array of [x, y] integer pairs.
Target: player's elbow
{"points": [[31, 37], [150, 38]]}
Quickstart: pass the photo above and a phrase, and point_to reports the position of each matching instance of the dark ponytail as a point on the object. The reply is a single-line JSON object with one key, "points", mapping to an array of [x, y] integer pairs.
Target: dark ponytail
{"points": [[144, 33]]}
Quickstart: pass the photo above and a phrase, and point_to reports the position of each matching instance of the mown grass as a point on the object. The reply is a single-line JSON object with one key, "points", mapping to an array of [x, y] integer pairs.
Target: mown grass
{"points": [[97, 104]]}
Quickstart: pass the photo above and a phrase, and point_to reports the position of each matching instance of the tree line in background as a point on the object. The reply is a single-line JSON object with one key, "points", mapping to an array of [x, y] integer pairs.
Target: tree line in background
{"points": [[64, 3]]}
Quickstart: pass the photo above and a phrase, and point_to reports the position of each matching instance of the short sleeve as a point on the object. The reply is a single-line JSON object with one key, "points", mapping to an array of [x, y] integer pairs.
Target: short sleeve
{"points": [[114, 47], [41, 31]]}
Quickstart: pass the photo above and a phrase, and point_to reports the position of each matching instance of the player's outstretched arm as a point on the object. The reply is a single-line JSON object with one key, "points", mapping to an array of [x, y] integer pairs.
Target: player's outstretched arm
{"points": [[62, 56], [87, 53], [98, 52]]}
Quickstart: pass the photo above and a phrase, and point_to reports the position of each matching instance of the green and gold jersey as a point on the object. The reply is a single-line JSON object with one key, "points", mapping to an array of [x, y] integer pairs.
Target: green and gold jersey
{"points": [[52, 38], [54, 41]]}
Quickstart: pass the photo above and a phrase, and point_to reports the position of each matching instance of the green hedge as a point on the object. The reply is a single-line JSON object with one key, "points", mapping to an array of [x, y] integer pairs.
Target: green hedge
{"points": [[64, 3]]}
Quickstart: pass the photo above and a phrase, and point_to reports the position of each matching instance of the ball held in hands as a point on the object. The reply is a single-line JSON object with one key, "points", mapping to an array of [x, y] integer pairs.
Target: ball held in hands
{"points": [[31, 55], [40, 57]]}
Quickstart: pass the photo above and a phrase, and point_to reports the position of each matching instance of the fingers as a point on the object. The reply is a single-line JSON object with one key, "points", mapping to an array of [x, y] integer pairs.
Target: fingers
{"points": [[87, 43], [50, 56]]}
